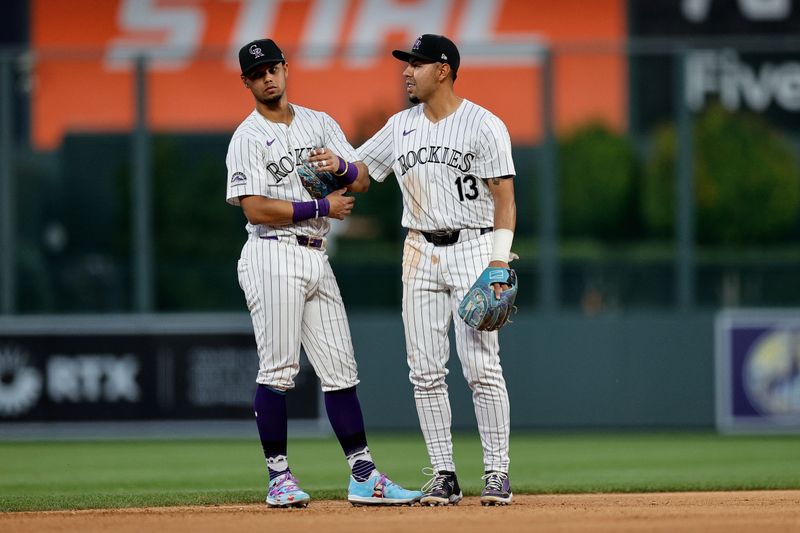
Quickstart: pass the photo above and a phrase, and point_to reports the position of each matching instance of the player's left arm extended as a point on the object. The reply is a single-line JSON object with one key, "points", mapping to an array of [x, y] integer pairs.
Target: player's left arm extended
{"points": [[326, 160], [505, 209], [362, 180], [490, 300], [505, 218]]}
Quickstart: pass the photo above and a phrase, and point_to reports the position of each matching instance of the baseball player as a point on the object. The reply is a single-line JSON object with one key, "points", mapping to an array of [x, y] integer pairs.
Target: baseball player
{"points": [[282, 172], [452, 160]]}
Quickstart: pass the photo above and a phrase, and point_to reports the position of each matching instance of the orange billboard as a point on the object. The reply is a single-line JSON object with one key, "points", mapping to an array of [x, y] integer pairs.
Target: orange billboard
{"points": [[339, 57]]}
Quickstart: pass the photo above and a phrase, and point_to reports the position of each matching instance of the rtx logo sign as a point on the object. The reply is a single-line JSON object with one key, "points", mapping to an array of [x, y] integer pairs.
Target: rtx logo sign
{"points": [[20, 382], [93, 378], [722, 74]]}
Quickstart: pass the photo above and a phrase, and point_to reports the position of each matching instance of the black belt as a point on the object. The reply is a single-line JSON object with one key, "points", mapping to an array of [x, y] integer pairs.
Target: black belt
{"points": [[446, 238], [303, 240]]}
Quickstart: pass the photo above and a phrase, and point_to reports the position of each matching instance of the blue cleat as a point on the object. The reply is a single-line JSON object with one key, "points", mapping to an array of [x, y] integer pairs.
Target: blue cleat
{"points": [[284, 492], [380, 490]]}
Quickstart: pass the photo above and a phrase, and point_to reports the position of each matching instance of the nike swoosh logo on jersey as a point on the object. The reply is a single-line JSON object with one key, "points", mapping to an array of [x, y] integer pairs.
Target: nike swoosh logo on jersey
{"points": [[409, 131], [269, 143]]}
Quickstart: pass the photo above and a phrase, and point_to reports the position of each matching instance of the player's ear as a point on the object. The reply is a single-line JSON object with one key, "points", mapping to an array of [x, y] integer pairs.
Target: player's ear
{"points": [[244, 80], [286, 69], [444, 71]]}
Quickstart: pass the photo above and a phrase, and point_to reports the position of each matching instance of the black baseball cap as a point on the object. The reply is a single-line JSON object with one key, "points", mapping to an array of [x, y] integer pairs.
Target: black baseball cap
{"points": [[259, 52], [433, 48]]}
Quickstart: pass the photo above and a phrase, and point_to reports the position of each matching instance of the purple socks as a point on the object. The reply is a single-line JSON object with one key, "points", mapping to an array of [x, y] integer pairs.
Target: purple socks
{"points": [[271, 419], [344, 413]]}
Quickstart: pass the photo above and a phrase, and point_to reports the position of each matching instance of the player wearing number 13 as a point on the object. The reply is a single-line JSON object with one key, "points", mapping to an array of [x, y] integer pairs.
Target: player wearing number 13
{"points": [[452, 160]]}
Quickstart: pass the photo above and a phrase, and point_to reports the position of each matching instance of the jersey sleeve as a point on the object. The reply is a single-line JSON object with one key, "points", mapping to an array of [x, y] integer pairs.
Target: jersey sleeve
{"points": [[336, 141], [494, 157], [378, 154], [246, 170]]}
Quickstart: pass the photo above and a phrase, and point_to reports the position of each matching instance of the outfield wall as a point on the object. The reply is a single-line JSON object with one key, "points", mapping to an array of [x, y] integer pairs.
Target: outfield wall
{"points": [[563, 371]]}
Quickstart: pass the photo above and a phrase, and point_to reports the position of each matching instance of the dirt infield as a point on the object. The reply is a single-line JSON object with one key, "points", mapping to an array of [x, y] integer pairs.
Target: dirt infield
{"points": [[707, 512]]}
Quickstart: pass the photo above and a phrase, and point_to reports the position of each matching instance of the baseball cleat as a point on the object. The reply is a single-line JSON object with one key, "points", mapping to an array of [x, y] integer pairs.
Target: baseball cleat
{"points": [[497, 490], [380, 490], [284, 492], [441, 489]]}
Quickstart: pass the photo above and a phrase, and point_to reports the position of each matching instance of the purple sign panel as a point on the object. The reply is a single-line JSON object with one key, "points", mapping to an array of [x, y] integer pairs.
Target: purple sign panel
{"points": [[758, 370]]}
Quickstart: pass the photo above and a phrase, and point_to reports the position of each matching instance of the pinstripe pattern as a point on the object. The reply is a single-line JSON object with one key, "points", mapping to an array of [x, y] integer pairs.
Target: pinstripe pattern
{"points": [[430, 161], [435, 279], [469, 142], [293, 298], [290, 290], [263, 155]]}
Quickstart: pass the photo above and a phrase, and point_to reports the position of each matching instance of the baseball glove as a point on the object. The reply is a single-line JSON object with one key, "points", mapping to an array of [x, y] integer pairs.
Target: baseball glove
{"points": [[318, 184], [481, 309]]}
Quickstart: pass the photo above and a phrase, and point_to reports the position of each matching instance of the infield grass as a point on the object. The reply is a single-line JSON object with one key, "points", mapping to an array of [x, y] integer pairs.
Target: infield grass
{"points": [[80, 475]]}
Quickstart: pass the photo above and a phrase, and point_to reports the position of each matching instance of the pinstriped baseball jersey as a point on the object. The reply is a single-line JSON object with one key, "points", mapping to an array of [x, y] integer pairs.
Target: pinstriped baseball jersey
{"points": [[440, 166], [291, 290], [441, 169], [263, 157]]}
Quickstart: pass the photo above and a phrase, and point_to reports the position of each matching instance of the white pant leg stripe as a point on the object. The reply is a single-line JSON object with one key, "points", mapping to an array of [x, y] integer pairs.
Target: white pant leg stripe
{"points": [[326, 332], [480, 360], [274, 309], [426, 319]]}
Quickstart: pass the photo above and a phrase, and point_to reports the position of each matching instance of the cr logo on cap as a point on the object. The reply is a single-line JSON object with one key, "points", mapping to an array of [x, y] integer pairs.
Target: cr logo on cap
{"points": [[417, 43], [256, 51]]}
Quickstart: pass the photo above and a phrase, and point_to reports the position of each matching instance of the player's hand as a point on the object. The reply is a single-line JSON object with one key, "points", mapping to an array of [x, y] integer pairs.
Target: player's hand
{"points": [[341, 205], [323, 160], [499, 287]]}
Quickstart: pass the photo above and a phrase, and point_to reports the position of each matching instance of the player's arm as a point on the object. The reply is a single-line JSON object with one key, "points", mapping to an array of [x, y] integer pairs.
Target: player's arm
{"points": [[272, 212], [505, 221], [505, 217], [351, 174], [362, 180]]}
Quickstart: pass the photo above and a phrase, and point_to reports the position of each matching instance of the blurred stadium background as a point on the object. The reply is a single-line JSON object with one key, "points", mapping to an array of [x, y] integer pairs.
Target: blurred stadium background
{"points": [[657, 146]]}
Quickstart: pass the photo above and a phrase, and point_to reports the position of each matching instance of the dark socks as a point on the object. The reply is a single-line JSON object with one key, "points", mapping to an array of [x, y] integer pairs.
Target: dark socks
{"points": [[271, 419], [344, 413]]}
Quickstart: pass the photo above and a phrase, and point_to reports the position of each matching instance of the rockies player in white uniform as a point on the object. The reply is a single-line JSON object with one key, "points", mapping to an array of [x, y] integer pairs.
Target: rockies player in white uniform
{"points": [[452, 160], [285, 275]]}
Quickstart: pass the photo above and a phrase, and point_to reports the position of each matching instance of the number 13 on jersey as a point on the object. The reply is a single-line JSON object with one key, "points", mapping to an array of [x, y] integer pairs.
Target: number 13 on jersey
{"points": [[467, 187]]}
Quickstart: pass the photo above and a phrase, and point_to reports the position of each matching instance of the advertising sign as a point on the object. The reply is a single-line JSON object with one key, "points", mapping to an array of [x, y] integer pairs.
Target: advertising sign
{"points": [[136, 373], [338, 52], [732, 58], [758, 370]]}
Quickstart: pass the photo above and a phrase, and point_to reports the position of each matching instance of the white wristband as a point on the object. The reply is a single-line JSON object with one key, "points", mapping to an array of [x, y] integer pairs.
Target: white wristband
{"points": [[501, 245]]}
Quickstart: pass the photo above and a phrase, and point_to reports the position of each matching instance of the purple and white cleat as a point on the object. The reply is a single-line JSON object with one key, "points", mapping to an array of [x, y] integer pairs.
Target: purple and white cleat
{"points": [[497, 490], [284, 492]]}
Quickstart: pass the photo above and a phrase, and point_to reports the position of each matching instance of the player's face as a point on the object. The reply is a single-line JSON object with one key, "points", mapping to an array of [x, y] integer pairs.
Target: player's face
{"points": [[267, 82], [420, 80]]}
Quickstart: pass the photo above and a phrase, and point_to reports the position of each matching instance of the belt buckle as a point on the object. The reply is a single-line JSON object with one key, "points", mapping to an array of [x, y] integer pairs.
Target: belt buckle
{"points": [[444, 238], [311, 242]]}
